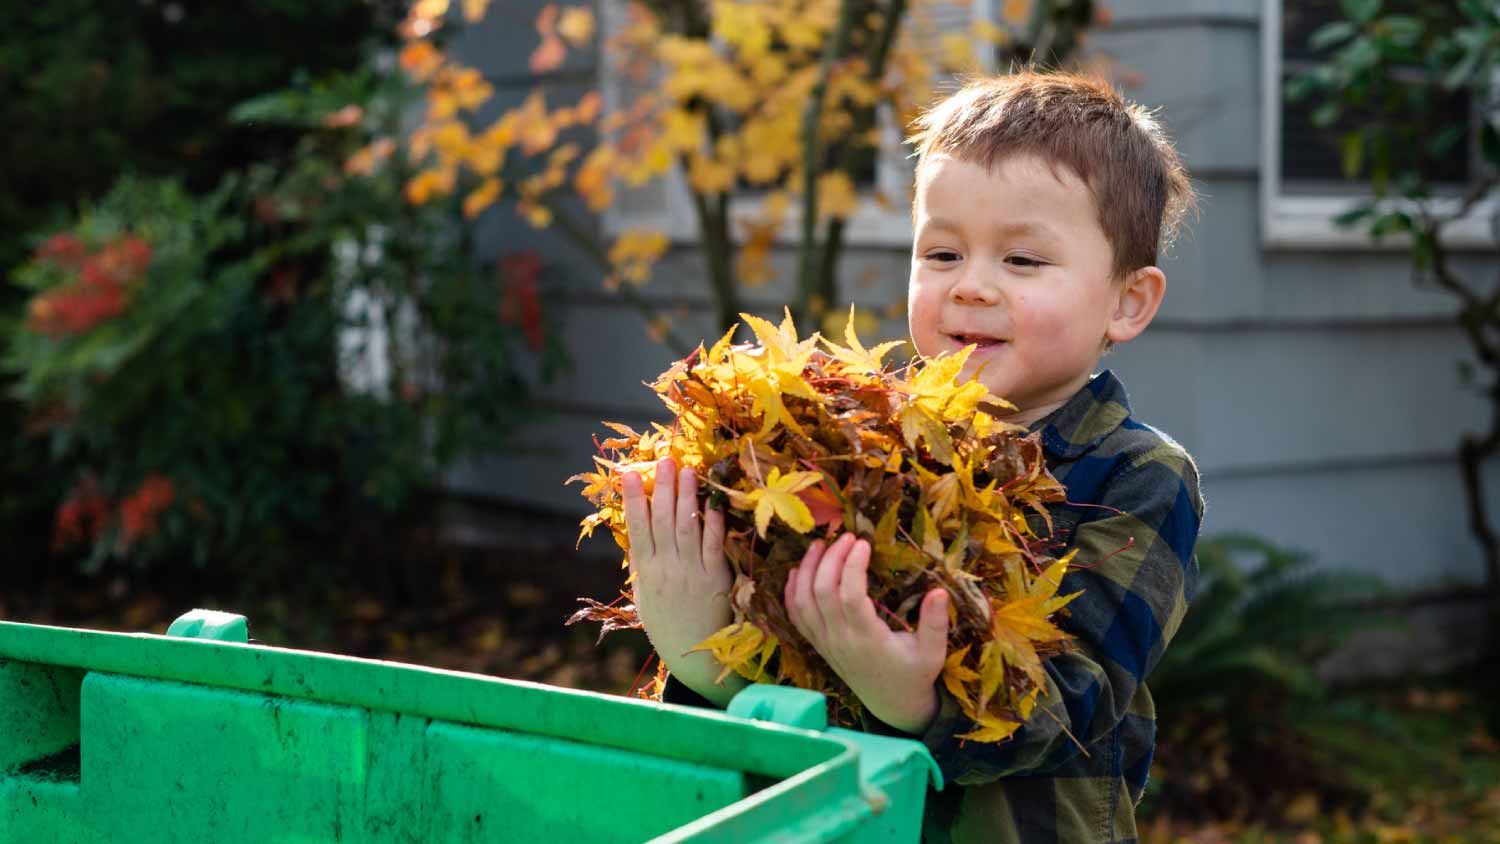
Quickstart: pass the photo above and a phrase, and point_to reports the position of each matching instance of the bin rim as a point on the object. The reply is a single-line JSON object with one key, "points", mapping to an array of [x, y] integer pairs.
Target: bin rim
{"points": [[587, 717]]}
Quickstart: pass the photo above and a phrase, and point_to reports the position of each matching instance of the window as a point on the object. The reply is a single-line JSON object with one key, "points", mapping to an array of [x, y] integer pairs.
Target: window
{"points": [[1302, 180], [666, 205]]}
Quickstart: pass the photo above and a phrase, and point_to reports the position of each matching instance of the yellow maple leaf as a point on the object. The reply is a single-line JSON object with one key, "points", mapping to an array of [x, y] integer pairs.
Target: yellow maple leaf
{"points": [[919, 424], [754, 262], [481, 197], [779, 497], [991, 32], [991, 728], [1027, 704], [420, 60], [364, 161], [836, 195], [710, 176], [933, 383], [743, 26], [991, 674], [634, 251], [768, 69], [721, 346], [683, 130], [468, 87], [780, 341], [429, 184], [538, 215], [854, 353], [592, 181], [733, 646], [1017, 11], [957, 52], [1017, 624], [957, 676], [474, 10], [576, 25]]}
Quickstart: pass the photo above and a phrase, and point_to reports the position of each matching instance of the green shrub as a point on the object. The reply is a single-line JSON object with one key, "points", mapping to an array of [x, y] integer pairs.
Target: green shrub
{"points": [[285, 362], [98, 88], [1247, 725]]}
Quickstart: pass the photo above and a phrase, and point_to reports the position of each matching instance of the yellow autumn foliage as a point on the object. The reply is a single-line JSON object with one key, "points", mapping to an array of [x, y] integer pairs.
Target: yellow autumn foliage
{"points": [[726, 106], [804, 438]]}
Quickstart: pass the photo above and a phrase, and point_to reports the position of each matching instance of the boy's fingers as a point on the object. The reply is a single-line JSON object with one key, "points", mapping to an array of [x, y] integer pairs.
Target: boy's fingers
{"points": [[689, 536], [637, 517], [932, 627], [663, 502], [854, 591], [802, 576], [713, 539], [793, 611], [826, 580]]}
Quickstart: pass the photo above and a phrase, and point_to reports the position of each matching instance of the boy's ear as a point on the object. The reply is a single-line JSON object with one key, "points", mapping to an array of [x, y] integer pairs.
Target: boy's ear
{"points": [[1140, 296]]}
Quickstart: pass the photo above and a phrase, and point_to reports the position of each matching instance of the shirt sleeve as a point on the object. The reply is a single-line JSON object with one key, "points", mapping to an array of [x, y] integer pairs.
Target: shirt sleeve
{"points": [[676, 691], [1134, 597]]}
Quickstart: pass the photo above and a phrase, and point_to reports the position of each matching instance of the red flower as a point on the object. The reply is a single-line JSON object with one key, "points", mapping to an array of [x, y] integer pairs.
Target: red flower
{"points": [[74, 309], [63, 250], [520, 300], [98, 294], [123, 260], [82, 515], [140, 511], [282, 285]]}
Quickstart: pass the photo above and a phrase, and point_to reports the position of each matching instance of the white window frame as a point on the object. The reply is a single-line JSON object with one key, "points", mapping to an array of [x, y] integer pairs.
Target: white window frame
{"points": [[871, 225], [1297, 221]]}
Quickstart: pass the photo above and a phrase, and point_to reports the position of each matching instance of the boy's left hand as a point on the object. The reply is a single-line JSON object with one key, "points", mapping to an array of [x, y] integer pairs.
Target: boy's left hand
{"points": [[893, 673]]}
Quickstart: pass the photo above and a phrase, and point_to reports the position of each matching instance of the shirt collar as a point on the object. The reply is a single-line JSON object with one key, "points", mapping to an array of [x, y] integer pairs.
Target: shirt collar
{"points": [[1092, 414]]}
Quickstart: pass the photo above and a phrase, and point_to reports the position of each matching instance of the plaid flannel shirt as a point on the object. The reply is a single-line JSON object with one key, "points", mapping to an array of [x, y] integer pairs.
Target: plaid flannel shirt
{"points": [[1041, 787], [1133, 512]]}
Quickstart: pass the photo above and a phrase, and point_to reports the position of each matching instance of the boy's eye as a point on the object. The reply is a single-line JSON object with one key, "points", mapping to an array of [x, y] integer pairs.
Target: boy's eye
{"points": [[1024, 261], [943, 255]]}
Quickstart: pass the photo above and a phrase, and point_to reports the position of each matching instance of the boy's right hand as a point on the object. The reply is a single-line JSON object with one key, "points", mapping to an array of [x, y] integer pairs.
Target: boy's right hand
{"points": [[681, 578]]}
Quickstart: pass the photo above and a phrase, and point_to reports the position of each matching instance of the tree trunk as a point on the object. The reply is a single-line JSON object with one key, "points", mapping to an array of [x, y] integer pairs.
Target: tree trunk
{"points": [[1472, 453]]}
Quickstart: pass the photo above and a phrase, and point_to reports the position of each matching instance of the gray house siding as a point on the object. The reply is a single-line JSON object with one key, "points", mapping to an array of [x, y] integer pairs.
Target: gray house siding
{"points": [[1318, 389]]}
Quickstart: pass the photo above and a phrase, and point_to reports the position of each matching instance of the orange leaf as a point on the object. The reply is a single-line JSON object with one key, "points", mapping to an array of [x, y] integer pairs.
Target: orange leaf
{"points": [[825, 507], [549, 55]]}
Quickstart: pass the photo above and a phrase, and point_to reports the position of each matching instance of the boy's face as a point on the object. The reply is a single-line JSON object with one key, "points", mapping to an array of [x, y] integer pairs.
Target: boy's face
{"points": [[1013, 260]]}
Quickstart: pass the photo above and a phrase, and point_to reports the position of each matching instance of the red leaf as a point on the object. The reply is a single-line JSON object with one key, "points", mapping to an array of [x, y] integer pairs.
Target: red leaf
{"points": [[520, 297], [825, 507], [549, 55]]}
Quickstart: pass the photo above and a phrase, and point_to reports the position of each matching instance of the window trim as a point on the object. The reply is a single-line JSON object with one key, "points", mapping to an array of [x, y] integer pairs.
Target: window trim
{"points": [[1305, 222], [872, 225]]}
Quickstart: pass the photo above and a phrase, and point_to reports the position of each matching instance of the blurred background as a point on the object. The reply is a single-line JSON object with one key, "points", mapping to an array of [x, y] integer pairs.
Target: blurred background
{"points": [[311, 308]]}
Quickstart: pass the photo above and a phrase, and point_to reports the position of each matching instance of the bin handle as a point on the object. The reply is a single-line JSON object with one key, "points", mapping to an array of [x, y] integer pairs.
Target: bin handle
{"points": [[785, 705], [212, 625]]}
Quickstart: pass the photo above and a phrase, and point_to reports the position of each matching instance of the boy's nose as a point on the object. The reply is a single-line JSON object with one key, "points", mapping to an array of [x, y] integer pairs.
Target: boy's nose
{"points": [[972, 289]]}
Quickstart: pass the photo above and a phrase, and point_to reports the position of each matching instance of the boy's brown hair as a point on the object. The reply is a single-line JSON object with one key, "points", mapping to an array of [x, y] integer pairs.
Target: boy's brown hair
{"points": [[1139, 185]]}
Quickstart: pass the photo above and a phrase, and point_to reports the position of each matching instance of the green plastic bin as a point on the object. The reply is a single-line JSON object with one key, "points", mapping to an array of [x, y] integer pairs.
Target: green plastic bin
{"points": [[114, 738]]}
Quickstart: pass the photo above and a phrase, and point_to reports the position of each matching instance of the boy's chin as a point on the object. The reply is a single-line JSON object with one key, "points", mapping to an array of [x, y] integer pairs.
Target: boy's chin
{"points": [[983, 372]]}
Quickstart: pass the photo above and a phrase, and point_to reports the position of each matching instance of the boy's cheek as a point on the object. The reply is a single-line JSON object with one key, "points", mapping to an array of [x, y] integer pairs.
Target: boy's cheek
{"points": [[921, 322]]}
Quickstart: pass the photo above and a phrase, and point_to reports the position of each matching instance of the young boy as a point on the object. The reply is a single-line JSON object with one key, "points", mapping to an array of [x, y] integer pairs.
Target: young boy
{"points": [[1041, 202]]}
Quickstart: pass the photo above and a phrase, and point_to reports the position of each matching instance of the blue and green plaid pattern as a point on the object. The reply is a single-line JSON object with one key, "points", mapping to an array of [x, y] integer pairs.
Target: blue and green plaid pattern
{"points": [[1133, 512]]}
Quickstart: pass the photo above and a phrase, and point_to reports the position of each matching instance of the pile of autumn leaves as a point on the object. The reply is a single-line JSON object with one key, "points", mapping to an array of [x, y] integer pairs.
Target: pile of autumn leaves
{"points": [[807, 438]]}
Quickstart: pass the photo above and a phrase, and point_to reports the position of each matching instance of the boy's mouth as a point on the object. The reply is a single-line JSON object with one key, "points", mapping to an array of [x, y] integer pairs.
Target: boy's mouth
{"points": [[979, 340]]}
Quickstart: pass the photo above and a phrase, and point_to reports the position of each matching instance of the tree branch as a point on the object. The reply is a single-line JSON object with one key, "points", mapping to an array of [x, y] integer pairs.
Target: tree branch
{"points": [[593, 249], [1476, 192], [807, 264], [833, 244], [713, 213]]}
